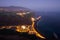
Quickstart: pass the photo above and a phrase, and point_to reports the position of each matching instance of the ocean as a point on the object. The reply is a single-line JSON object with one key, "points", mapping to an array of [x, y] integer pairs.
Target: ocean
{"points": [[49, 23]]}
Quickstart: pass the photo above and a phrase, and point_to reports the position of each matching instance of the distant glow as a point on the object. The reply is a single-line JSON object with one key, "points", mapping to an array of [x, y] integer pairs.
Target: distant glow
{"points": [[19, 14], [2, 27], [33, 19], [23, 27], [17, 28], [23, 13]]}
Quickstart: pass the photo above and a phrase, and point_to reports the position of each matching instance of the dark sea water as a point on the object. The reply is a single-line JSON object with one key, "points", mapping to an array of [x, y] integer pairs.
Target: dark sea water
{"points": [[49, 23]]}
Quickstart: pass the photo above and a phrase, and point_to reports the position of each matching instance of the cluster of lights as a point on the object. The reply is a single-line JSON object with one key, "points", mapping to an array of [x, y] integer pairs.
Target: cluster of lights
{"points": [[24, 13], [23, 27], [32, 19]]}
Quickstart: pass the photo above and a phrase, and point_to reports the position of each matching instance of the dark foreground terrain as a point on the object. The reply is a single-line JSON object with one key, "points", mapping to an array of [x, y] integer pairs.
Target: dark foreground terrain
{"points": [[8, 34]]}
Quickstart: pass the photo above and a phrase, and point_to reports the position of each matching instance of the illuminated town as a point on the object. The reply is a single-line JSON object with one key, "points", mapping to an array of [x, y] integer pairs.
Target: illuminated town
{"points": [[29, 19], [25, 28]]}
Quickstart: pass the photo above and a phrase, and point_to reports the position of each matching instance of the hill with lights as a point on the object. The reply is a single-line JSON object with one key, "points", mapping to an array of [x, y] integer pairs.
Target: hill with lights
{"points": [[11, 15]]}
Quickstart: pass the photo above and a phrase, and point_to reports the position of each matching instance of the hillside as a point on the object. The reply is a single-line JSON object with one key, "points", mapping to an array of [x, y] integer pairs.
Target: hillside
{"points": [[13, 9], [8, 15]]}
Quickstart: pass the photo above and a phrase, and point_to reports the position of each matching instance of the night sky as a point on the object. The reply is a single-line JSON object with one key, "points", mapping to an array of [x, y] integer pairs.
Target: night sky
{"points": [[49, 5]]}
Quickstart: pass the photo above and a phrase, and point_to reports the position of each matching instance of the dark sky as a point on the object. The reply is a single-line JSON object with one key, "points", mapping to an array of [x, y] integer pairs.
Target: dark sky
{"points": [[34, 4]]}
